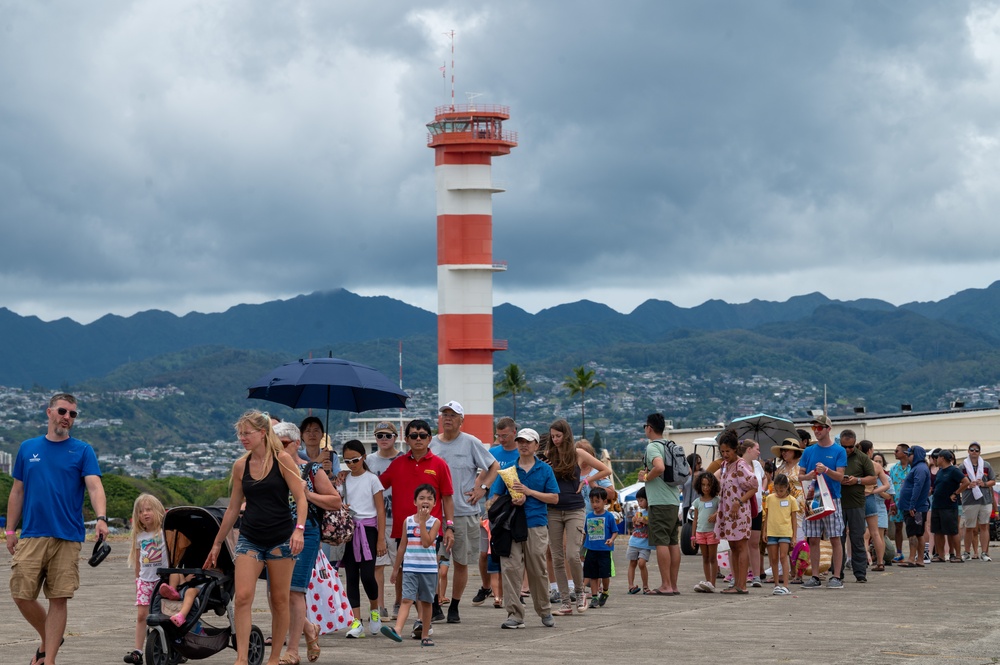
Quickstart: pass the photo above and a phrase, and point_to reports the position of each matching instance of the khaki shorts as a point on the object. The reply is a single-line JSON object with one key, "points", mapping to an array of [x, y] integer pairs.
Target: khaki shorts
{"points": [[465, 551], [663, 523], [389, 558], [49, 564], [976, 514]]}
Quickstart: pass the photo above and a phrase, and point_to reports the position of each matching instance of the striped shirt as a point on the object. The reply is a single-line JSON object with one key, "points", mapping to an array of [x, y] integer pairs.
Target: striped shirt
{"points": [[419, 559]]}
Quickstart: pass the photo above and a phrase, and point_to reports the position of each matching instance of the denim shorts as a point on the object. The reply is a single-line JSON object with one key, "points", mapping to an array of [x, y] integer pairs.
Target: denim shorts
{"points": [[306, 560], [777, 540], [245, 547], [871, 505]]}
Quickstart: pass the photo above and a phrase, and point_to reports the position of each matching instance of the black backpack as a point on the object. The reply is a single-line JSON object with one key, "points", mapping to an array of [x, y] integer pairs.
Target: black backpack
{"points": [[676, 469]]}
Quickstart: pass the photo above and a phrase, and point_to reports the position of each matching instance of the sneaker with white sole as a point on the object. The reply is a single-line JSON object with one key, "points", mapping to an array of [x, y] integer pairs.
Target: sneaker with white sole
{"points": [[755, 582], [780, 591], [375, 622], [700, 587], [835, 583], [812, 583], [966, 556], [555, 597], [512, 624], [356, 630], [564, 611], [481, 596], [985, 557], [548, 621]]}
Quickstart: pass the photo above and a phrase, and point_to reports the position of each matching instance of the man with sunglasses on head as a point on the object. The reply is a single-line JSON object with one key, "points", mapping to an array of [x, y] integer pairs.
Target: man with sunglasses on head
{"points": [[977, 504], [51, 473], [829, 459], [473, 469]]}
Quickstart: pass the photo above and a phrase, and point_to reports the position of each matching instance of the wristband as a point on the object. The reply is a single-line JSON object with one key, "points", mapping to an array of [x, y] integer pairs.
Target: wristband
{"points": [[11, 533], [300, 527], [449, 523]]}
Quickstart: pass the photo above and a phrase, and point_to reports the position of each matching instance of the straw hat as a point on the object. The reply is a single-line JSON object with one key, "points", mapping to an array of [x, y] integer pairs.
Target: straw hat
{"points": [[788, 444]]}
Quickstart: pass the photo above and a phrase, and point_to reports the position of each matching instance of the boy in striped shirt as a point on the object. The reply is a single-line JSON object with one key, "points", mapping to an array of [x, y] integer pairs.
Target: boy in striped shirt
{"points": [[417, 558]]}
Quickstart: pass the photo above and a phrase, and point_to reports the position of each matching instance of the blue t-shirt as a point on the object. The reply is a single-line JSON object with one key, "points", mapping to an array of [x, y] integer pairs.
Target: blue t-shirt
{"points": [[640, 533], [833, 456], [53, 475], [506, 458], [540, 478], [597, 529]]}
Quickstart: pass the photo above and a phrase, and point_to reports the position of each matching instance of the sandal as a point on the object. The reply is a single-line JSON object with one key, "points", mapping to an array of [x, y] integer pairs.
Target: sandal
{"points": [[289, 660], [312, 645], [633, 590], [427, 642], [937, 559], [879, 568]]}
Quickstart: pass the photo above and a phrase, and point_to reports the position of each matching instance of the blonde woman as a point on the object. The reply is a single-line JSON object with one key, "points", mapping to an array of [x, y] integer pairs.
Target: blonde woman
{"points": [[269, 535]]}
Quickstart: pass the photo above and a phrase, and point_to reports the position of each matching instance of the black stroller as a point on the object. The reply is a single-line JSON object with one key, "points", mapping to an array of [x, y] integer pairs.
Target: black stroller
{"points": [[190, 532]]}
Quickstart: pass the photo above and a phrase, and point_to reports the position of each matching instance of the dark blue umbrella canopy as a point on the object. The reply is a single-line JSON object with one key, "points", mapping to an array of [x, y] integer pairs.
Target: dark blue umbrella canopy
{"points": [[766, 430], [329, 383]]}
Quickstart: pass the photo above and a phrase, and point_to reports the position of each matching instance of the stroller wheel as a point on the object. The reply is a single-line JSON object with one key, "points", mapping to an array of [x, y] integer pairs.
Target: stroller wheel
{"points": [[157, 648], [255, 654]]}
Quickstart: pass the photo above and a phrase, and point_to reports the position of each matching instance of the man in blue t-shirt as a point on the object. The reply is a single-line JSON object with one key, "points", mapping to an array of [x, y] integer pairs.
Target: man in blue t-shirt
{"points": [[828, 459], [50, 475]]}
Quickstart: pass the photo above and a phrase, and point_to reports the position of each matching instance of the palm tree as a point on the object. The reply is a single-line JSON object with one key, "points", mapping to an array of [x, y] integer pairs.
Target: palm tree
{"points": [[512, 381], [581, 381]]}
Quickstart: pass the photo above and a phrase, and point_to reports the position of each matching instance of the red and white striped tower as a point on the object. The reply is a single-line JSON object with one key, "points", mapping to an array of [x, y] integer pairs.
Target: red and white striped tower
{"points": [[465, 139]]}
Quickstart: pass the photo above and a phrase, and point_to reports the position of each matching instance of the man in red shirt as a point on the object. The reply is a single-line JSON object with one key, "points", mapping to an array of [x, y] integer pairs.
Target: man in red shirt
{"points": [[409, 471]]}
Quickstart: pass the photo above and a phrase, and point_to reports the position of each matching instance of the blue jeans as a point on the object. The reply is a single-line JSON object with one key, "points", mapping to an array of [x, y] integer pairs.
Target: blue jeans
{"points": [[306, 560]]}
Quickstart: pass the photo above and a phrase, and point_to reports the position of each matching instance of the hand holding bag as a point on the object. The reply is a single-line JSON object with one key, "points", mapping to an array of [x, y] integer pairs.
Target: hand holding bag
{"points": [[336, 526]]}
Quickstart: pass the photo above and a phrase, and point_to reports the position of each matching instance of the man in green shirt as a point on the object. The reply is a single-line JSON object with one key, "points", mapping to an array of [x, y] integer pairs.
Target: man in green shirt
{"points": [[859, 472], [664, 506]]}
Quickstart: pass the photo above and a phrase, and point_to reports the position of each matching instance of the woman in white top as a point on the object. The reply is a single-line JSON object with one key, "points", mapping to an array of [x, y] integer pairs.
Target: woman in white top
{"points": [[362, 492], [750, 452]]}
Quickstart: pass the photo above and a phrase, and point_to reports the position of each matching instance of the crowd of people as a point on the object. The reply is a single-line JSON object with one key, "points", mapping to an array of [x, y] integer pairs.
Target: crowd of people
{"points": [[532, 513]]}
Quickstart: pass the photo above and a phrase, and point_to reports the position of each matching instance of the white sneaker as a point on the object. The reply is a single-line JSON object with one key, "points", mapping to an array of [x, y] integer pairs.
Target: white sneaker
{"points": [[700, 587], [357, 630], [985, 557], [966, 556], [375, 622], [780, 591], [709, 587]]}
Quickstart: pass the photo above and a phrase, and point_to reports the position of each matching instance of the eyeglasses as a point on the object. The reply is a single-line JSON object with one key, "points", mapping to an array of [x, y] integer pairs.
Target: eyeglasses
{"points": [[418, 435], [353, 460], [62, 412], [245, 434], [385, 435], [818, 428]]}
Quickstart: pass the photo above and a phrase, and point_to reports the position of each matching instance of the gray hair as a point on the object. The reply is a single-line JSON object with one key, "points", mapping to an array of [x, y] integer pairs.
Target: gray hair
{"points": [[287, 430]]}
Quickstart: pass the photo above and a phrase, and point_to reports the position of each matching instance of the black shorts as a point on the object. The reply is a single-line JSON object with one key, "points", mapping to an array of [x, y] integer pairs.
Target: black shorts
{"points": [[597, 565], [915, 525], [757, 522], [944, 521]]}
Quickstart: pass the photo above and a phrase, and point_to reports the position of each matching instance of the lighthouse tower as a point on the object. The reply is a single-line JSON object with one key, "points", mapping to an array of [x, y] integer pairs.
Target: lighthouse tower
{"points": [[465, 139]]}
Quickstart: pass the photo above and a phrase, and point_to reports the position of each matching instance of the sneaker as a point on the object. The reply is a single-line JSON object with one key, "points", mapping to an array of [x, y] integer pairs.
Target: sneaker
{"points": [[927, 557], [985, 557], [966, 556], [439, 617], [708, 587], [699, 587], [572, 596], [418, 631], [512, 624], [603, 598], [780, 591], [595, 602], [861, 580], [834, 583], [732, 584], [453, 615], [581, 605], [375, 622], [897, 558], [356, 630], [812, 583], [391, 633], [395, 611], [384, 613], [548, 621], [481, 596], [728, 578], [135, 658], [755, 582], [555, 597], [564, 611]]}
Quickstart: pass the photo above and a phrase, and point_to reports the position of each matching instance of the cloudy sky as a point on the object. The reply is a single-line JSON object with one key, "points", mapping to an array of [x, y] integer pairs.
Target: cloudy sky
{"points": [[188, 155]]}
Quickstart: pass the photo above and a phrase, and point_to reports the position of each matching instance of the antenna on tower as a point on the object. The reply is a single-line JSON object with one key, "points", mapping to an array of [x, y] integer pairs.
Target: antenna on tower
{"points": [[471, 96], [451, 35]]}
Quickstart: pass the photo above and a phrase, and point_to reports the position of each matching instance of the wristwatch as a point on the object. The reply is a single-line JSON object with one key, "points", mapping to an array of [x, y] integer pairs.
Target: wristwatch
{"points": [[484, 487], [102, 518]]}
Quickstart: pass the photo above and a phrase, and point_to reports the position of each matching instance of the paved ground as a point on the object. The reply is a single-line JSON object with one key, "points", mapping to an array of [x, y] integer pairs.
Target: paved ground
{"points": [[944, 613]]}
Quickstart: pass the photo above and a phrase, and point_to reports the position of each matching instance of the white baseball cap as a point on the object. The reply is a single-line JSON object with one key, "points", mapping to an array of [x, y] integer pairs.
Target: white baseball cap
{"points": [[454, 406], [527, 434]]}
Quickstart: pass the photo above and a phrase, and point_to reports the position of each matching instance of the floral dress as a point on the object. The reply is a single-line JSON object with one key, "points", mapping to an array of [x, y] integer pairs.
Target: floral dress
{"points": [[737, 479]]}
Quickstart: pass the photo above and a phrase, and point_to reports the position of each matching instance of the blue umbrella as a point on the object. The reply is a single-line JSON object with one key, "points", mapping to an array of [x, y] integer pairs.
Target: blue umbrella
{"points": [[764, 429], [329, 383]]}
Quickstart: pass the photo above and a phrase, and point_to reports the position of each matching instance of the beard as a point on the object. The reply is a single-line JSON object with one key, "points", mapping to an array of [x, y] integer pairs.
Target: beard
{"points": [[61, 431]]}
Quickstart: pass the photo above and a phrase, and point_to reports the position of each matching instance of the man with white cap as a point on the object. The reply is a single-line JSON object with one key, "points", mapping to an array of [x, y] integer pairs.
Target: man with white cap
{"points": [[977, 503], [473, 469], [537, 486]]}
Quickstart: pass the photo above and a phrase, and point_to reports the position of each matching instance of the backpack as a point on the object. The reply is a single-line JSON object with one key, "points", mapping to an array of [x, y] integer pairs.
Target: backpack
{"points": [[676, 469]]}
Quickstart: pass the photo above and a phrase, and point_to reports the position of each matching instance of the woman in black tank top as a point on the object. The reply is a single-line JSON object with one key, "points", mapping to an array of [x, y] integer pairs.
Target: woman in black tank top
{"points": [[269, 536]]}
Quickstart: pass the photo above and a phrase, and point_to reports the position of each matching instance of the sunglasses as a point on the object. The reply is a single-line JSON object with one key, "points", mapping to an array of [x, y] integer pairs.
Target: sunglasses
{"points": [[353, 460], [62, 412], [418, 435], [971, 450], [385, 435]]}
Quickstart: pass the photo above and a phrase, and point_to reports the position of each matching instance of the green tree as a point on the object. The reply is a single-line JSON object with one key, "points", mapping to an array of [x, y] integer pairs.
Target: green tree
{"points": [[579, 382], [512, 382]]}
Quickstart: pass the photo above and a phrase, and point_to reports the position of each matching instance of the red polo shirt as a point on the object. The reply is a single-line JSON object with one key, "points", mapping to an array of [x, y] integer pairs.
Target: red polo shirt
{"points": [[405, 475]]}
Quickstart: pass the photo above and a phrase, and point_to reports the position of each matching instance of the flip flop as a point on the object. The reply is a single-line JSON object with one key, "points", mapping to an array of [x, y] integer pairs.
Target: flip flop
{"points": [[919, 565], [427, 642], [906, 564], [734, 591], [657, 592], [634, 590], [40, 655]]}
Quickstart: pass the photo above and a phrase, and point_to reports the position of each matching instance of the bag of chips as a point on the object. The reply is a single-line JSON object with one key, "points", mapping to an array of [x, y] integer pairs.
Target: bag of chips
{"points": [[509, 476]]}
